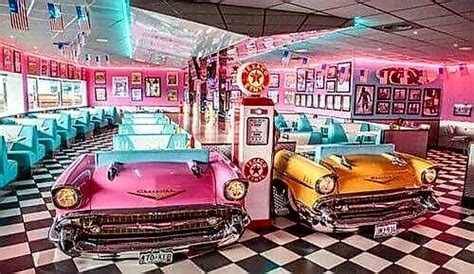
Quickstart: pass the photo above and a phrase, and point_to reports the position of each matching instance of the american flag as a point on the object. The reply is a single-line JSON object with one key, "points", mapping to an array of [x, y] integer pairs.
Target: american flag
{"points": [[83, 19], [18, 14], [56, 22]]}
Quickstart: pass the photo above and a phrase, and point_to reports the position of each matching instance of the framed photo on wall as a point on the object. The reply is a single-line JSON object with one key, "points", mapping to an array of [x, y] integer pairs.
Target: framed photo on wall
{"points": [[17, 61], [44, 70], [332, 72], [398, 108], [173, 94], [33, 65], [309, 101], [309, 80], [100, 78], [344, 72], [100, 94], [54, 68], [70, 71], [399, 94], [320, 80], [431, 101], [7, 59], [290, 80], [62, 70], [346, 103], [413, 108], [289, 98], [120, 86], [136, 78], [414, 94], [317, 102], [172, 78], [384, 93], [464, 110], [330, 86], [137, 94], [300, 79], [364, 100], [153, 87], [337, 102], [330, 102], [186, 79], [297, 100], [382, 108], [303, 100], [274, 80], [322, 102]]}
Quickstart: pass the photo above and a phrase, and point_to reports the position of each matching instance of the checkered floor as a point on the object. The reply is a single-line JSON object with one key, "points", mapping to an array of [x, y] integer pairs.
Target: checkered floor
{"points": [[441, 242]]}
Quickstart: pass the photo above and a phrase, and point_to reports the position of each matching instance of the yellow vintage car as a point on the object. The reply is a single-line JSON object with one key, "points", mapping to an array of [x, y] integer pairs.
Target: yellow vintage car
{"points": [[341, 188]]}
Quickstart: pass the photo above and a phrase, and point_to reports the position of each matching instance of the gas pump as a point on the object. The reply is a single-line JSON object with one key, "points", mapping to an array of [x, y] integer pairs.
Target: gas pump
{"points": [[252, 147]]}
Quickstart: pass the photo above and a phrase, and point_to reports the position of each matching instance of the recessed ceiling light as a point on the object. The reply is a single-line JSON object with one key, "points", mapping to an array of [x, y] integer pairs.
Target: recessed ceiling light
{"points": [[455, 45], [415, 32], [102, 40], [12, 36], [301, 50], [35, 47], [465, 48], [379, 49]]}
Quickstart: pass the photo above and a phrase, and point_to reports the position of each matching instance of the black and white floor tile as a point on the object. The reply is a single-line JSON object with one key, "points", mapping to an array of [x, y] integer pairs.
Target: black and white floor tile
{"points": [[441, 242]]}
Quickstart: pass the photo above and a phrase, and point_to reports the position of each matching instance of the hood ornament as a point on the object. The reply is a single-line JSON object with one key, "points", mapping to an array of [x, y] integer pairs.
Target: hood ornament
{"points": [[157, 194], [382, 179]]}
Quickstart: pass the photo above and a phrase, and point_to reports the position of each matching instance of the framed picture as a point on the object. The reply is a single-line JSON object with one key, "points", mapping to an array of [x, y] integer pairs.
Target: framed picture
{"points": [[120, 86], [274, 80], [399, 94], [16, 61], [329, 101], [414, 94], [332, 72], [173, 94], [83, 74], [382, 108], [273, 94], [309, 101], [70, 71], [384, 93], [309, 80], [7, 59], [310, 87], [398, 108], [136, 78], [33, 65], [153, 87], [462, 110], [186, 79], [300, 79], [330, 86], [62, 70], [77, 73], [346, 103], [289, 98], [364, 100], [303, 100], [297, 100], [317, 103], [137, 94], [413, 108], [431, 101], [344, 72], [44, 67], [322, 102], [337, 102], [100, 94], [100, 78], [290, 80], [54, 68], [320, 80], [172, 78]]}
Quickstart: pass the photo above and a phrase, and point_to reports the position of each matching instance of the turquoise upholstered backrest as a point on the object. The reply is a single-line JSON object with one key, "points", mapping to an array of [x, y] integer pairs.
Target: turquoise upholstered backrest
{"points": [[147, 129], [47, 128], [336, 134], [3, 155], [280, 122], [303, 124], [324, 151], [63, 120], [144, 121], [174, 156], [23, 137], [143, 114], [79, 116], [95, 113], [150, 141]]}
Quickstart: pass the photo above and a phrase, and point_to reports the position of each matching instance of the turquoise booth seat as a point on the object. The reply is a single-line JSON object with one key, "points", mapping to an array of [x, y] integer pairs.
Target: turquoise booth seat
{"points": [[23, 145], [81, 121], [163, 120], [97, 117], [64, 125], [8, 168], [323, 151], [147, 129], [142, 115], [342, 133], [150, 141], [105, 158], [111, 114], [47, 131]]}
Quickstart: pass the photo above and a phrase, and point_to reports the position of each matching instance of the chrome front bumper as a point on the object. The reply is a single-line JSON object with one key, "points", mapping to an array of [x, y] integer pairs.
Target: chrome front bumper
{"points": [[76, 235], [350, 212]]}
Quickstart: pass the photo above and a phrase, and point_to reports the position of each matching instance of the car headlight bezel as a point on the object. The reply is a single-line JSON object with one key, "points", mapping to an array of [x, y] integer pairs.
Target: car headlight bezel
{"points": [[70, 191], [324, 189], [243, 186], [429, 175]]}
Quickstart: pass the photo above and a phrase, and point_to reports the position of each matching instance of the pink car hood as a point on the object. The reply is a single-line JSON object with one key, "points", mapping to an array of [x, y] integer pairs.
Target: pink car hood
{"points": [[152, 184]]}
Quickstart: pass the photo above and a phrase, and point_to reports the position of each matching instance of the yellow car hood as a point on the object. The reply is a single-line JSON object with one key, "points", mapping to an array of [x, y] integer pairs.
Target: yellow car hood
{"points": [[365, 173]]}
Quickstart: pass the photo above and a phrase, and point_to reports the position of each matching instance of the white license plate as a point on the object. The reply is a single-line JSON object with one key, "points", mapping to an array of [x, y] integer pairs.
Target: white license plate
{"points": [[155, 257], [385, 230]]}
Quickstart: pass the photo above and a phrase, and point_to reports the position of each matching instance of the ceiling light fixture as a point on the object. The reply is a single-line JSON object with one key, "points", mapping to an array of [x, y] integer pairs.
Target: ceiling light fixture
{"points": [[415, 32], [102, 40], [12, 36], [379, 49], [455, 45], [301, 50], [465, 48]]}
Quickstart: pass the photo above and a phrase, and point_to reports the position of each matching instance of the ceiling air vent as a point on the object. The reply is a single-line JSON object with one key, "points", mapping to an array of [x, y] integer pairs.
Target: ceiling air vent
{"points": [[396, 27]]}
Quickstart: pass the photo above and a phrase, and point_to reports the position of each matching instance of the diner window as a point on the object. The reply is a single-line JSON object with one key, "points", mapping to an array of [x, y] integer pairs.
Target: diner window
{"points": [[32, 93], [49, 92], [67, 94], [11, 94], [79, 91], [3, 94]]}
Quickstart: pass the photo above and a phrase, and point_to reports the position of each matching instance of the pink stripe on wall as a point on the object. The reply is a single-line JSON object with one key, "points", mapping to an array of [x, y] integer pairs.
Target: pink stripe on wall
{"points": [[147, 101], [457, 90]]}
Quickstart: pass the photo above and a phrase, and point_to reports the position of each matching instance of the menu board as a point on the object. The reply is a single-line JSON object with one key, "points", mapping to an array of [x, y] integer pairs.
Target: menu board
{"points": [[257, 131]]}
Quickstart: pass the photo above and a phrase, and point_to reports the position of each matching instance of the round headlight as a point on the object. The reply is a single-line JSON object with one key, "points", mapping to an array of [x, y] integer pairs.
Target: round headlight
{"points": [[235, 190], [429, 175], [66, 197], [326, 184]]}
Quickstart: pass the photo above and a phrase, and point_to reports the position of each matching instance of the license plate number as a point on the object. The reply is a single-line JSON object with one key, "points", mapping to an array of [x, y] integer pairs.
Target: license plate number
{"points": [[155, 257], [385, 230]]}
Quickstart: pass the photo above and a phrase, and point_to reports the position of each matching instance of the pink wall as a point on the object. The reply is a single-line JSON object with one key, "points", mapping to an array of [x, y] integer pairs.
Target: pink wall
{"points": [[147, 101], [457, 90]]}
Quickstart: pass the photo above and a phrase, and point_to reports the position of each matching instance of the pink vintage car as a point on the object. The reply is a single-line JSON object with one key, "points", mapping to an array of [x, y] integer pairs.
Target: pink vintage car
{"points": [[148, 204]]}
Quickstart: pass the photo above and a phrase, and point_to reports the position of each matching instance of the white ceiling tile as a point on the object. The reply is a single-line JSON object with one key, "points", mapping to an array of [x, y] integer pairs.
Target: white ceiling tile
{"points": [[392, 5], [422, 12], [323, 4], [290, 7], [460, 6], [441, 21], [379, 19], [353, 11], [249, 3]]}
